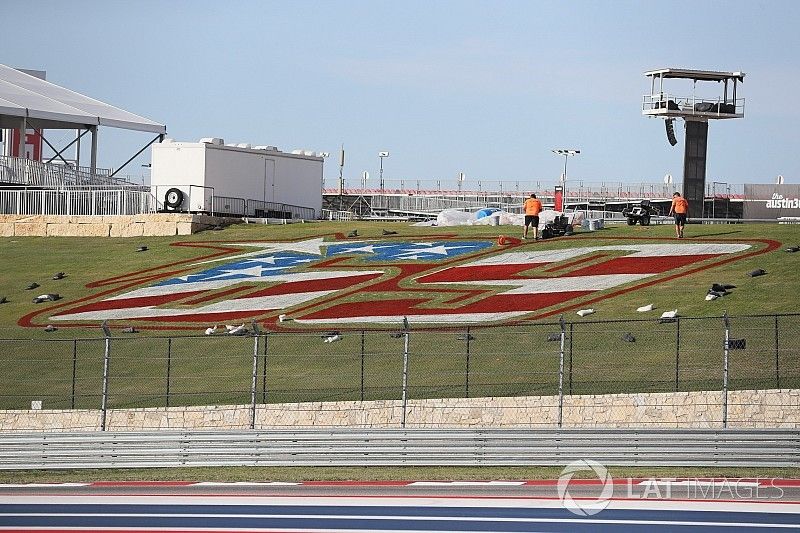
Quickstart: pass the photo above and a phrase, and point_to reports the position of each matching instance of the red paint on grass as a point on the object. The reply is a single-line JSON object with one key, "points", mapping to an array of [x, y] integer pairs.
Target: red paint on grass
{"points": [[414, 297]]}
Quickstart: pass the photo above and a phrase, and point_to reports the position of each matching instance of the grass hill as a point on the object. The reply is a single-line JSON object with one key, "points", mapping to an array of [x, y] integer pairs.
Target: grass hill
{"points": [[85, 260], [154, 369]]}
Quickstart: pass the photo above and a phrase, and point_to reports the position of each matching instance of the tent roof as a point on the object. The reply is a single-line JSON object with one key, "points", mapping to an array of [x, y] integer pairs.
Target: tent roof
{"points": [[52, 106]]}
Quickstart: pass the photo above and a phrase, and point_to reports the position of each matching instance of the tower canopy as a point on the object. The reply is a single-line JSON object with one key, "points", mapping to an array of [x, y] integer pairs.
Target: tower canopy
{"points": [[686, 103]]}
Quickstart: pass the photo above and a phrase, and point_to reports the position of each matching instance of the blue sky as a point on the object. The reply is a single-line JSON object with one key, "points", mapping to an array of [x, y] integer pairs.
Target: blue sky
{"points": [[484, 88]]}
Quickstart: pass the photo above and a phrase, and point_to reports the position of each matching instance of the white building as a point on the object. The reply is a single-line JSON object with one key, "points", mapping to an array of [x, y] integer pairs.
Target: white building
{"points": [[210, 176]]}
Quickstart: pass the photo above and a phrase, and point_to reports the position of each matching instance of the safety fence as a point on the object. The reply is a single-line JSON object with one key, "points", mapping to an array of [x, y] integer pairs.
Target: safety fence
{"points": [[684, 372]]}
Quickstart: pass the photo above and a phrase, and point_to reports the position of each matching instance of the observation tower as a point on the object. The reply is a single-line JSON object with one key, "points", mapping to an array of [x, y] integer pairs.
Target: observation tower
{"points": [[696, 106]]}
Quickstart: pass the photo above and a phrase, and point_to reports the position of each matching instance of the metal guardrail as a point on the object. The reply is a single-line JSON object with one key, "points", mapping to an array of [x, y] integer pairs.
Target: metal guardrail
{"points": [[81, 201], [741, 448]]}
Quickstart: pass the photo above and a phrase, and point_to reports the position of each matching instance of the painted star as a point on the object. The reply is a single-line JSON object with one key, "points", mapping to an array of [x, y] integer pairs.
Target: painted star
{"points": [[252, 272], [309, 246], [437, 250]]}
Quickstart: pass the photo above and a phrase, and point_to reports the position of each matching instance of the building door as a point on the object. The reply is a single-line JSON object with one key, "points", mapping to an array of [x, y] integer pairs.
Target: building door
{"points": [[269, 180]]}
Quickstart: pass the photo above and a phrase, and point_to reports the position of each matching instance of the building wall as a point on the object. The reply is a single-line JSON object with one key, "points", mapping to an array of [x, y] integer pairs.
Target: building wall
{"points": [[251, 174]]}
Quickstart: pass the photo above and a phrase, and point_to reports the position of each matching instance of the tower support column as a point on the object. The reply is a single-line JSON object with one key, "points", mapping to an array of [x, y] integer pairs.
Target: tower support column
{"points": [[694, 165]]}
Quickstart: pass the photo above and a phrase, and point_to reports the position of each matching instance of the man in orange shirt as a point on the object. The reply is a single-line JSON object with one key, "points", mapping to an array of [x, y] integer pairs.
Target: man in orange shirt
{"points": [[681, 209], [532, 209]]}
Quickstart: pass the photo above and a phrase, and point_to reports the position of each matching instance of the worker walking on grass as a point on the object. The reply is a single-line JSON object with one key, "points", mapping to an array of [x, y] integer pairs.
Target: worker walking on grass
{"points": [[680, 207], [532, 209]]}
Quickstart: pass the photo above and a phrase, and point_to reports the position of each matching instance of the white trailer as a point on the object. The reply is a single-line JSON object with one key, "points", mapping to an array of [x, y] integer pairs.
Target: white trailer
{"points": [[210, 176]]}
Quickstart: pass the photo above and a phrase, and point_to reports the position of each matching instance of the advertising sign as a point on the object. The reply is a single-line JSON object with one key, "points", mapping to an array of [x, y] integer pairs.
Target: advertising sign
{"points": [[771, 201], [33, 145]]}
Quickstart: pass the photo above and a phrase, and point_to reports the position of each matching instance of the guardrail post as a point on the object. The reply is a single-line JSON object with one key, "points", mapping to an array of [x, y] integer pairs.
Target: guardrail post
{"points": [[727, 323], [106, 361], [253, 381], [561, 372]]}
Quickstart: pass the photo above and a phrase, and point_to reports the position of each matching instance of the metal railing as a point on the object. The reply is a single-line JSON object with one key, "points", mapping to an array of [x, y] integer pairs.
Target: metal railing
{"points": [[692, 105], [231, 206], [19, 171], [262, 209], [500, 192], [77, 201], [342, 447], [554, 361], [332, 214]]}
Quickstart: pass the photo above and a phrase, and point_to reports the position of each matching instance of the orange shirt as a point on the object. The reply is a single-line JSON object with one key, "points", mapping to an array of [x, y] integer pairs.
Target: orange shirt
{"points": [[533, 206], [680, 205]]}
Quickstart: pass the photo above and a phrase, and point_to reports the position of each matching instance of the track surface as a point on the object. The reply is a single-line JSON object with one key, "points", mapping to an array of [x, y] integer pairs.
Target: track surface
{"points": [[501, 506]]}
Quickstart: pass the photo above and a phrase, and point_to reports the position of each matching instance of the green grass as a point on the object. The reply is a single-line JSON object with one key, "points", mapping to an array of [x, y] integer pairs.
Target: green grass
{"points": [[449, 473], [499, 361]]}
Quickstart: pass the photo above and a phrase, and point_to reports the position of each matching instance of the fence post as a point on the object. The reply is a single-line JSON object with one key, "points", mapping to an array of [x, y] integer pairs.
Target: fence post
{"points": [[405, 378], [254, 376], [561, 372], [677, 349], [727, 323], [106, 361], [571, 324], [466, 378], [363, 341], [74, 370], [264, 369], [777, 357], [169, 368]]}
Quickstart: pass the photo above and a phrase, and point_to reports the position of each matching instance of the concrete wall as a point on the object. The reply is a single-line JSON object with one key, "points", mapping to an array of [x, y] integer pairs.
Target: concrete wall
{"points": [[154, 225], [777, 408]]}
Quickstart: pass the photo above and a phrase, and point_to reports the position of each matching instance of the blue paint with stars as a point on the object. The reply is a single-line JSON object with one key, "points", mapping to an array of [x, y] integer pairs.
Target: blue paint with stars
{"points": [[408, 251], [273, 264]]}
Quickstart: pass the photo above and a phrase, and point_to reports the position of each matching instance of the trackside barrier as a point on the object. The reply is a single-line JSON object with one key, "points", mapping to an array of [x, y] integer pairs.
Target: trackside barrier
{"points": [[726, 371], [740, 448]]}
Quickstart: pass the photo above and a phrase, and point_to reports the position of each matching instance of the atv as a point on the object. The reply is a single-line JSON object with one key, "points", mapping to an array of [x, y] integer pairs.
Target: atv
{"points": [[560, 226], [640, 213]]}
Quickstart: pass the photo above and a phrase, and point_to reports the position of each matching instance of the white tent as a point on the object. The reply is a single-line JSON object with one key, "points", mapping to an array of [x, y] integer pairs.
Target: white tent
{"points": [[29, 102]]}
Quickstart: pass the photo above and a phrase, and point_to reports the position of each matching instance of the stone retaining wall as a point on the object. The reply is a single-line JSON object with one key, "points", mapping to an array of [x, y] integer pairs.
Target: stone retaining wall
{"points": [[145, 225], [776, 408]]}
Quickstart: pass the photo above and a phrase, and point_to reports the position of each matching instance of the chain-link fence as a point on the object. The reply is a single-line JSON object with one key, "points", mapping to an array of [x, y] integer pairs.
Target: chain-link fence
{"points": [[693, 372]]}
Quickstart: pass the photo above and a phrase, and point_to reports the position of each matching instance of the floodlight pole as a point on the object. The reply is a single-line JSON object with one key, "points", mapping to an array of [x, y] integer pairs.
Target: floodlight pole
{"points": [[566, 152], [341, 178], [381, 155]]}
